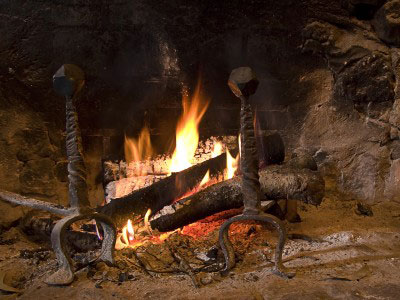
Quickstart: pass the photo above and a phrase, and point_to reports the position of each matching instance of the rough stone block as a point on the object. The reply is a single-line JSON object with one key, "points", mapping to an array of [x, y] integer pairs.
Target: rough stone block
{"points": [[387, 22], [32, 144], [61, 171], [37, 177]]}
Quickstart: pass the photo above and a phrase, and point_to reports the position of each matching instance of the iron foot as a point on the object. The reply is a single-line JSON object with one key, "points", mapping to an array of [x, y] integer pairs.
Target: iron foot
{"points": [[65, 275], [229, 253]]}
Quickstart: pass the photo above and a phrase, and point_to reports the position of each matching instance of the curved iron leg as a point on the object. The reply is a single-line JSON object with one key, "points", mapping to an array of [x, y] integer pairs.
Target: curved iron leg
{"points": [[108, 245], [227, 247], [65, 275]]}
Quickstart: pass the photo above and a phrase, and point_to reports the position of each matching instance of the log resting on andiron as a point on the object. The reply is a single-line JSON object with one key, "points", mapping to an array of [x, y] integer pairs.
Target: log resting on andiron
{"points": [[243, 83], [277, 182], [67, 82], [161, 193]]}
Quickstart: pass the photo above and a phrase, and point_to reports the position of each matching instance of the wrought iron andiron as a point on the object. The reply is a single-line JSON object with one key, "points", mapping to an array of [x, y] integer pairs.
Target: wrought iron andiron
{"points": [[67, 82], [244, 83]]}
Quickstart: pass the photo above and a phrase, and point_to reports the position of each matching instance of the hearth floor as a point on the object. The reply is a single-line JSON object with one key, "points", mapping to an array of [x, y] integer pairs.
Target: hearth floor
{"points": [[349, 256]]}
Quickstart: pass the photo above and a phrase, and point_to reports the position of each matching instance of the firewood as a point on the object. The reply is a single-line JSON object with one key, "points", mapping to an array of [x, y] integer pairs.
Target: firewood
{"points": [[161, 193], [38, 226], [124, 186], [277, 182]]}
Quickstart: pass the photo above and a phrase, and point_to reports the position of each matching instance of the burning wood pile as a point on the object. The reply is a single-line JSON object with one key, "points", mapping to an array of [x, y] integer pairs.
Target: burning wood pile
{"points": [[150, 197], [156, 197]]}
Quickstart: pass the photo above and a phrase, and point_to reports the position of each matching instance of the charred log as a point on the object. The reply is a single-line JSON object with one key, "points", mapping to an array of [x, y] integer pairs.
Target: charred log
{"points": [[277, 182], [163, 192], [39, 226]]}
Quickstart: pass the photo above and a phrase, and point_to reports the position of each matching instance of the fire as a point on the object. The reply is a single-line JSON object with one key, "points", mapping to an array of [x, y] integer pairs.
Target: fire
{"points": [[128, 238], [240, 145], [231, 165], [187, 140], [187, 134], [217, 149], [128, 233], [205, 179], [138, 149], [146, 221]]}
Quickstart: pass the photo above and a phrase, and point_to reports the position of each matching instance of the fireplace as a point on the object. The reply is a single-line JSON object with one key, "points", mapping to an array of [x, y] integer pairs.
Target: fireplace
{"points": [[211, 149]]}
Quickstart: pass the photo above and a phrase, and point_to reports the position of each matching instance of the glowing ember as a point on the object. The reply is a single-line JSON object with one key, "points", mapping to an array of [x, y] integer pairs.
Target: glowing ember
{"points": [[166, 235], [138, 149], [217, 149], [187, 134]]}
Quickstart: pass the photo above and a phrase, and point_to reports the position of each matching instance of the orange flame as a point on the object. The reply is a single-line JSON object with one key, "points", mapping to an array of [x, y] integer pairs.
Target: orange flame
{"points": [[205, 179], [128, 239], [138, 149], [240, 144], [231, 165], [187, 134], [146, 221], [128, 233]]}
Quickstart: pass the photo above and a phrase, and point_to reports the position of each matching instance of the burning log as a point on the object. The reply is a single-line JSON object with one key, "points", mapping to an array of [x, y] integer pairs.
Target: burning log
{"points": [[163, 192], [277, 182], [125, 186]]}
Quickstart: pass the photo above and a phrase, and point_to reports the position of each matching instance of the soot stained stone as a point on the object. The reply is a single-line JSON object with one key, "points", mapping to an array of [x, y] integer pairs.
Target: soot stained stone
{"points": [[32, 144], [61, 171], [360, 64], [370, 79], [363, 9], [387, 22], [133, 50]]}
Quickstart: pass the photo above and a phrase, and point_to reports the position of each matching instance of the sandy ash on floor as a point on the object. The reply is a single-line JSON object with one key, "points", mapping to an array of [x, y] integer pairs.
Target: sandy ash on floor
{"points": [[349, 256]]}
